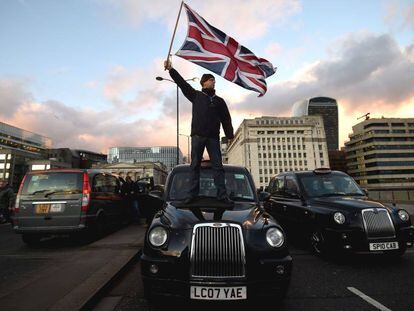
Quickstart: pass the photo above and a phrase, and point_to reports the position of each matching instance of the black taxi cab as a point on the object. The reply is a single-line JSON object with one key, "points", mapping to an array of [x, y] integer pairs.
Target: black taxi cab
{"points": [[335, 214], [212, 250]]}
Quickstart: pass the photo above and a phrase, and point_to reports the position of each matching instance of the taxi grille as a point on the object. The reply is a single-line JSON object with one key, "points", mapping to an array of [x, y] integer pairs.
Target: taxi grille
{"points": [[217, 251], [378, 223]]}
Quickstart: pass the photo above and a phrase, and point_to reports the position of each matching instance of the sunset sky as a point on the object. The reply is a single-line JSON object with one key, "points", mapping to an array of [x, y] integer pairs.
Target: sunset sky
{"points": [[82, 72]]}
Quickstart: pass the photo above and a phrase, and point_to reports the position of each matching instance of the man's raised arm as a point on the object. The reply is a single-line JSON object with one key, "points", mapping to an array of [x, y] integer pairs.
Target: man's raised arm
{"points": [[185, 87]]}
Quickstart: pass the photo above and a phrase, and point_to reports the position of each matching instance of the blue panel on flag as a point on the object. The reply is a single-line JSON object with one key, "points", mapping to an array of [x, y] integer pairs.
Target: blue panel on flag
{"points": [[188, 45], [214, 67]]}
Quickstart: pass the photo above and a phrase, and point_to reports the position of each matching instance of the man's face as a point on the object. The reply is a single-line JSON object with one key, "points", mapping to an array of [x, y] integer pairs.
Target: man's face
{"points": [[2, 184], [209, 84]]}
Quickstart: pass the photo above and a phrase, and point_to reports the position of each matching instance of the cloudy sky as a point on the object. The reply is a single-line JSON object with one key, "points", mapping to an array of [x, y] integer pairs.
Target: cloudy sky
{"points": [[82, 72]]}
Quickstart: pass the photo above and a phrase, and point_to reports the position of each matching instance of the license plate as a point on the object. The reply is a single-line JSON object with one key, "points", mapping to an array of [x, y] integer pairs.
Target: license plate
{"points": [[57, 207], [383, 246], [42, 208], [218, 293]]}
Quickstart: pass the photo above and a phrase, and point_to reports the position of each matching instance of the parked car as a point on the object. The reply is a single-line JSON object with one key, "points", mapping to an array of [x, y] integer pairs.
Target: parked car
{"points": [[67, 202], [214, 250], [334, 213]]}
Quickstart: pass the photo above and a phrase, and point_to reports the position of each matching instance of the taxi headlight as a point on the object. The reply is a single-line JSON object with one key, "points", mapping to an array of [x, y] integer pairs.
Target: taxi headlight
{"points": [[403, 215], [158, 236], [339, 218], [275, 237]]}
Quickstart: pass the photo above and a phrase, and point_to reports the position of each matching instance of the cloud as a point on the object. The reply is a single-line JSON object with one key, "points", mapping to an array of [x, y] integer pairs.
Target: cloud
{"points": [[364, 68], [242, 19], [13, 94], [399, 16], [365, 73]]}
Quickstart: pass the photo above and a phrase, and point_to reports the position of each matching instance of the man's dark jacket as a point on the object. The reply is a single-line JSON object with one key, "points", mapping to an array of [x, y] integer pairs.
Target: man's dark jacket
{"points": [[6, 197], [209, 110]]}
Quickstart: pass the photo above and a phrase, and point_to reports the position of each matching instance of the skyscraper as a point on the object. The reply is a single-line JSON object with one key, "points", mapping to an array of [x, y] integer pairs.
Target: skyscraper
{"points": [[325, 107]]}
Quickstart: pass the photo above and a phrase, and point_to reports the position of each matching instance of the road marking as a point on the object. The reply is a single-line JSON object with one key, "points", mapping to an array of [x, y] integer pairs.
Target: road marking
{"points": [[5, 224], [368, 299]]}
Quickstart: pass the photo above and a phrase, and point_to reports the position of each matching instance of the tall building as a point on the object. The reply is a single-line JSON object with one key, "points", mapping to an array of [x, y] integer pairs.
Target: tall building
{"points": [[325, 107], [15, 138], [163, 154], [270, 145], [380, 155], [17, 148]]}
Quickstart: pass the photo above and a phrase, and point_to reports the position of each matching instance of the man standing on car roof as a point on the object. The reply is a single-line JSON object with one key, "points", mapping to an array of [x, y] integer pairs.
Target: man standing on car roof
{"points": [[209, 110]]}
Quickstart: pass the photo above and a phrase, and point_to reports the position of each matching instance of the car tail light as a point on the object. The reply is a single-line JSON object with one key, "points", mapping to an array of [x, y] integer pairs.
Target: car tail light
{"points": [[17, 203], [86, 193]]}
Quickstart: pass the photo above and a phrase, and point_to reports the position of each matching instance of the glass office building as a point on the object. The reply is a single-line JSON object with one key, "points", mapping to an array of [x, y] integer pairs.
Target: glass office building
{"points": [[327, 108], [164, 154]]}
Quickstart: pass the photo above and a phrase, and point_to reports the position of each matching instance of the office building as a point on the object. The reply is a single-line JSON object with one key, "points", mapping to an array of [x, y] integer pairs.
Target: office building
{"points": [[267, 146], [380, 156], [325, 107], [163, 154], [17, 148]]}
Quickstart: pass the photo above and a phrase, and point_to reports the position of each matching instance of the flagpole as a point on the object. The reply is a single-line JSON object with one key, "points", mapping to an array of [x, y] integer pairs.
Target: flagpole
{"points": [[175, 28]]}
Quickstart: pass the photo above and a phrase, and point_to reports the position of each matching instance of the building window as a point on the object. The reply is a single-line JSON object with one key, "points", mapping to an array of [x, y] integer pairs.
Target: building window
{"points": [[320, 147], [322, 163]]}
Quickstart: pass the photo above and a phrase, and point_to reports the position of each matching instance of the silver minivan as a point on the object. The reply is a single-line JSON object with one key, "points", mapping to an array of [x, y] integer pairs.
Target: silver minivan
{"points": [[68, 201]]}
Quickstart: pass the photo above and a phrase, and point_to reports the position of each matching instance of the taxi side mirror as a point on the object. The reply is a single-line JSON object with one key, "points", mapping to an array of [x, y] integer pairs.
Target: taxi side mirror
{"points": [[264, 196]]}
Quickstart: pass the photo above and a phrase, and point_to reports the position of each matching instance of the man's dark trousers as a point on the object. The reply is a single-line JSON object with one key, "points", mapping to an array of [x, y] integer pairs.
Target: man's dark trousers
{"points": [[198, 143]]}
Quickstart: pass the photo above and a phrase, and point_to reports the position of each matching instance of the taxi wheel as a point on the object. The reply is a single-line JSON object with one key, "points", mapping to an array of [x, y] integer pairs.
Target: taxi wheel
{"points": [[317, 243]]}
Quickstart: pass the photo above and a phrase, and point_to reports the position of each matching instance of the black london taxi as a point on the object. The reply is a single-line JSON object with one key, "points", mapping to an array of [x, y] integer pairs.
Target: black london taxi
{"points": [[334, 213], [213, 250], [67, 201]]}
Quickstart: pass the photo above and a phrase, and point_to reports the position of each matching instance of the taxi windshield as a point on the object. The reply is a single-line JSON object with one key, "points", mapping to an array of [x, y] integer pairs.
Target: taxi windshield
{"points": [[330, 185], [238, 186]]}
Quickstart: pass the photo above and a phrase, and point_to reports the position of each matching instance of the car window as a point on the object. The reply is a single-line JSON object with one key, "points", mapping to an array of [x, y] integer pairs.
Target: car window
{"points": [[291, 186], [330, 184], [105, 183], [238, 186], [50, 182], [280, 185]]}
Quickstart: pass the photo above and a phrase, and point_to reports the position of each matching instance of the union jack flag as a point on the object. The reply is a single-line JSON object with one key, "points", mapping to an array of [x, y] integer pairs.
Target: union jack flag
{"points": [[212, 49]]}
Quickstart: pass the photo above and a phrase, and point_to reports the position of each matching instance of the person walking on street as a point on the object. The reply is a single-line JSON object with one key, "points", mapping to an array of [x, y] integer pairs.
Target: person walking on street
{"points": [[6, 201], [129, 190], [208, 112]]}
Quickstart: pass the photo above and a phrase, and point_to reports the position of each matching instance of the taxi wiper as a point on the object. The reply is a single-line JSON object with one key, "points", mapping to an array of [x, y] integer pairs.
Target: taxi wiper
{"points": [[355, 193], [332, 194], [38, 191], [60, 191]]}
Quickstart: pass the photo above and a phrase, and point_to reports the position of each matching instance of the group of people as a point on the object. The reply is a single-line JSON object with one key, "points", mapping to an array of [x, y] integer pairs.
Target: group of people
{"points": [[7, 197], [131, 190]]}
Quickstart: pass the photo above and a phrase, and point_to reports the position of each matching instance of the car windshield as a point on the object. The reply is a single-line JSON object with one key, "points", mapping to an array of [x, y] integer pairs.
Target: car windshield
{"points": [[238, 186], [51, 183], [330, 185]]}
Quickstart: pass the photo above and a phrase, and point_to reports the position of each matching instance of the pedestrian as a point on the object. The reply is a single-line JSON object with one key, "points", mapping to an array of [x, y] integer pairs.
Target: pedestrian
{"points": [[208, 112], [129, 190], [6, 201]]}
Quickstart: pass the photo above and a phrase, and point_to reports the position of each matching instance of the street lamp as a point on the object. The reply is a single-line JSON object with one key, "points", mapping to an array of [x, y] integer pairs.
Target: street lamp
{"points": [[188, 146], [178, 115]]}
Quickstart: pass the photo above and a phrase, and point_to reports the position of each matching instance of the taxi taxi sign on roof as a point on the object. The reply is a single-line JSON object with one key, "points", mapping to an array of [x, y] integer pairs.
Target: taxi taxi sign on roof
{"points": [[322, 170]]}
